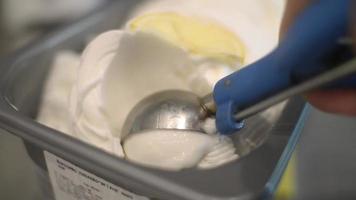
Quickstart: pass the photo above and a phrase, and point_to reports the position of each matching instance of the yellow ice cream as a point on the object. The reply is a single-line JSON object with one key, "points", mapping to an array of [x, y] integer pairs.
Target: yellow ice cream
{"points": [[197, 36]]}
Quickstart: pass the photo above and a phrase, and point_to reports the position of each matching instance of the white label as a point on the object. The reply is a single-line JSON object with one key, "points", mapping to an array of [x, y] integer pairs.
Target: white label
{"points": [[70, 182]]}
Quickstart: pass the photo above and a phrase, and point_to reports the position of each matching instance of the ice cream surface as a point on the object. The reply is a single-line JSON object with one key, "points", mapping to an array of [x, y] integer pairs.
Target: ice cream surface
{"points": [[119, 68], [154, 51]]}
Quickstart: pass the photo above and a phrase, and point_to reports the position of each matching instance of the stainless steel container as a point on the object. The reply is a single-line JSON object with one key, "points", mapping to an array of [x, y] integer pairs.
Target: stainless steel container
{"points": [[265, 147]]}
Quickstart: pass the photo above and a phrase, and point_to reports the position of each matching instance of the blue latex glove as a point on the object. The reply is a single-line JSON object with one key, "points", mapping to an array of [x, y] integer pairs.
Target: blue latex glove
{"points": [[311, 46]]}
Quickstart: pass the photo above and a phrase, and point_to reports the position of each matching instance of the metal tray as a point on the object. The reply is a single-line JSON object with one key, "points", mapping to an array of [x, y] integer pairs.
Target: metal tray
{"points": [[254, 176]]}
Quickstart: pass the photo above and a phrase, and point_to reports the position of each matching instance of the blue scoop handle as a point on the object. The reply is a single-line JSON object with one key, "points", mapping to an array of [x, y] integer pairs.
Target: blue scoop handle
{"points": [[311, 46]]}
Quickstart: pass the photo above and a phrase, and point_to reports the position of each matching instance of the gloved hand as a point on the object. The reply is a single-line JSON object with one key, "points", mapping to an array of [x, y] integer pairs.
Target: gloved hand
{"points": [[340, 101]]}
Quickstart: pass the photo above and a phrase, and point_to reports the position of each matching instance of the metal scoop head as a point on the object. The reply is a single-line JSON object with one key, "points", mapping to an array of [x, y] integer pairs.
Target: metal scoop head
{"points": [[171, 109]]}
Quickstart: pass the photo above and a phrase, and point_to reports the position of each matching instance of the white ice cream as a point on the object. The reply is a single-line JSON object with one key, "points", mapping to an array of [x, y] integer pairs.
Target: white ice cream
{"points": [[54, 102], [110, 84], [119, 68]]}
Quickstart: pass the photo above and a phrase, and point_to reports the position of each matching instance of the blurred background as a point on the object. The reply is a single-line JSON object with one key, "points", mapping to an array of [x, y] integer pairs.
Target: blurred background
{"points": [[20, 23], [23, 21], [323, 165]]}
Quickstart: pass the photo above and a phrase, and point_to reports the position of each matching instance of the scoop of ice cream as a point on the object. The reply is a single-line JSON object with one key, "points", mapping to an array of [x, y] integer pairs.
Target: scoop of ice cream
{"points": [[168, 149], [179, 149]]}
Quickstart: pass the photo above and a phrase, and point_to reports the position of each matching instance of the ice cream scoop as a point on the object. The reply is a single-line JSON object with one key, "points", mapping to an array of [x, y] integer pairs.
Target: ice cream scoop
{"points": [[183, 110], [301, 62]]}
